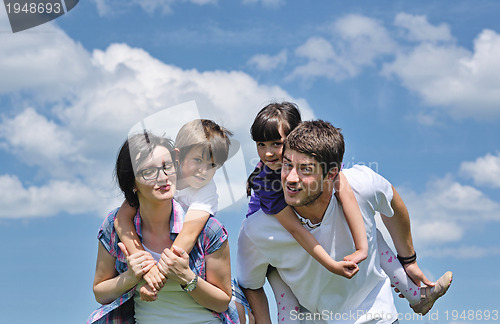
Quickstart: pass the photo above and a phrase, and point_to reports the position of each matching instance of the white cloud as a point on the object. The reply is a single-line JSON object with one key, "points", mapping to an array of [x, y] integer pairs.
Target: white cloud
{"points": [[47, 200], [466, 252], [357, 41], [38, 141], [266, 62], [72, 140], [420, 30], [485, 170], [446, 210], [266, 3], [460, 82], [45, 61], [113, 7]]}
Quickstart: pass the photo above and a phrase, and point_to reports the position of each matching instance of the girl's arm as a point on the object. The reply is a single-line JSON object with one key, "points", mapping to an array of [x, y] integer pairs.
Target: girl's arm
{"points": [[352, 213], [108, 284], [194, 223], [291, 223], [213, 293]]}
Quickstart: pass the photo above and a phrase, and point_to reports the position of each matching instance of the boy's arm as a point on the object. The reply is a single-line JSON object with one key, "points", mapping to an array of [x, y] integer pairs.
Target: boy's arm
{"points": [[352, 213], [194, 222], [124, 226], [291, 223]]}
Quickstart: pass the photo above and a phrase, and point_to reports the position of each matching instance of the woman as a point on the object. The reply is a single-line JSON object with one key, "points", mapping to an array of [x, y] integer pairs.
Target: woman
{"points": [[198, 289]]}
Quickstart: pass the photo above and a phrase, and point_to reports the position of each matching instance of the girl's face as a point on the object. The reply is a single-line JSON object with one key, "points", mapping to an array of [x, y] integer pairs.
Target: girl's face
{"points": [[197, 170], [155, 180], [270, 152]]}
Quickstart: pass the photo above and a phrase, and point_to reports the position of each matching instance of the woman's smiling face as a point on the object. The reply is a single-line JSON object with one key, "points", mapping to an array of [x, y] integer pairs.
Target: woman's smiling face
{"points": [[162, 187]]}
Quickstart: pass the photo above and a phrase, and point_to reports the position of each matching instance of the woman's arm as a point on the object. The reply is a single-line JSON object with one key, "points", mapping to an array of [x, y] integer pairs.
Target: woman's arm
{"points": [[354, 219], [108, 284], [213, 293], [291, 223]]}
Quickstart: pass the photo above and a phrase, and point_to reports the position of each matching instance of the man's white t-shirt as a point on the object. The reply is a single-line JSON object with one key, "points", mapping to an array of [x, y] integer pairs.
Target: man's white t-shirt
{"points": [[204, 198], [366, 298]]}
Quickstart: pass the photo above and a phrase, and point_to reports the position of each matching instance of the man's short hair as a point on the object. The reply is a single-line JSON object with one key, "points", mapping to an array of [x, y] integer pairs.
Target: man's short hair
{"points": [[320, 140]]}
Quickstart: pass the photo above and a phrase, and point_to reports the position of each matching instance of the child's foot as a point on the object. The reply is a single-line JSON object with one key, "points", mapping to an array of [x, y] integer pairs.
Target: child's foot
{"points": [[429, 295]]}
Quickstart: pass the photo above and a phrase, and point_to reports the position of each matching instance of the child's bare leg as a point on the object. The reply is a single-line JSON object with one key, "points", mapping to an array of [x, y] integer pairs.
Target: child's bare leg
{"points": [[285, 299]]}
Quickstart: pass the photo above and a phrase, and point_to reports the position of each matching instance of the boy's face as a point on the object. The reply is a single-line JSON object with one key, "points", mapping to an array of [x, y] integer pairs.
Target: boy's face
{"points": [[197, 170]]}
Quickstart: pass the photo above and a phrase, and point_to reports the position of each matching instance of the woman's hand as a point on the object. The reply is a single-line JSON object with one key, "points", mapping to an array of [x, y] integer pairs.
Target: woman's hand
{"points": [[138, 263], [175, 265]]}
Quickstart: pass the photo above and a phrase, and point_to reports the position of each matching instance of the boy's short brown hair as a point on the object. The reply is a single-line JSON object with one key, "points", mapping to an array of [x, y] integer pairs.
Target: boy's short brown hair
{"points": [[205, 133]]}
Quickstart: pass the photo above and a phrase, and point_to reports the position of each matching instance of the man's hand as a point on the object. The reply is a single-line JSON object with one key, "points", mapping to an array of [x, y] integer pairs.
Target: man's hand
{"points": [[416, 275]]}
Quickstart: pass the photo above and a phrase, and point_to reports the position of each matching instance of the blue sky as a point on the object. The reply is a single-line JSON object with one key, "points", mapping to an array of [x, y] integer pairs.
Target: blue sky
{"points": [[413, 85]]}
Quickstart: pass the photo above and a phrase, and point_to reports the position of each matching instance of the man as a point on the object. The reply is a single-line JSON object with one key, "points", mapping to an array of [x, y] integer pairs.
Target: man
{"points": [[312, 156]]}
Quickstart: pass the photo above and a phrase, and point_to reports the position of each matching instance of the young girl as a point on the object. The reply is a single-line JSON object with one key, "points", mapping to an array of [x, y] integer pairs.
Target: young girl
{"points": [[202, 147], [272, 124]]}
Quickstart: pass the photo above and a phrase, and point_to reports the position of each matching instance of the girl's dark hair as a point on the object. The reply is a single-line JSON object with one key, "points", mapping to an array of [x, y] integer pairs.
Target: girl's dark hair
{"points": [[267, 124], [139, 146], [271, 118]]}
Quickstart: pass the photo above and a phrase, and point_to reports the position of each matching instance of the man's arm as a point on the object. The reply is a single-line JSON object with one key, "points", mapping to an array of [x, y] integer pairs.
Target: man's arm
{"points": [[400, 230]]}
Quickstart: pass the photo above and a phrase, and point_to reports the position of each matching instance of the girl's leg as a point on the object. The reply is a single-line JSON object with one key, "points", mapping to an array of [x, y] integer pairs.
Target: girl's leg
{"points": [[285, 299], [421, 299], [395, 271]]}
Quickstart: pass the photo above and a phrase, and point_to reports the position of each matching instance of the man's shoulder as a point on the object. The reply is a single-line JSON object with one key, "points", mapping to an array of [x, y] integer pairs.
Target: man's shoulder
{"points": [[365, 182], [362, 175], [260, 224], [359, 170]]}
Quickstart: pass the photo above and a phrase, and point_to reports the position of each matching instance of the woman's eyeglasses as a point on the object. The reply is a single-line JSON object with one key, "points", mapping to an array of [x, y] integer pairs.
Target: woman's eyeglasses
{"points": [[152, 173]]}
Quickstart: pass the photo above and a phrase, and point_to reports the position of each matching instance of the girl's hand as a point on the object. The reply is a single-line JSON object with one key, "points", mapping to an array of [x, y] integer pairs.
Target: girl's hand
{"points": [[175, 265], [155, 279], [147, 293], [345, 269], [138, 263], [356, 257]]}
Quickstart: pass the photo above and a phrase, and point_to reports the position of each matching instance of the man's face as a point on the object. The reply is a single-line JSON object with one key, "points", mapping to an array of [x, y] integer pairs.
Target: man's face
{"points": [[302, 179]]}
